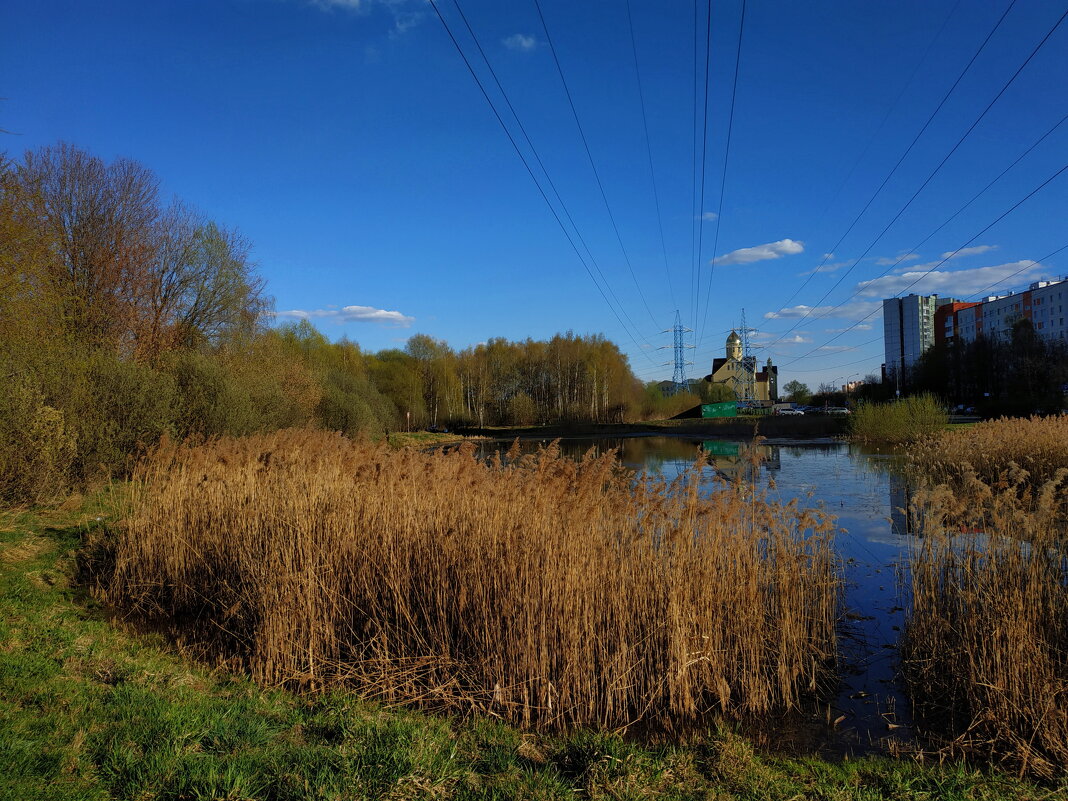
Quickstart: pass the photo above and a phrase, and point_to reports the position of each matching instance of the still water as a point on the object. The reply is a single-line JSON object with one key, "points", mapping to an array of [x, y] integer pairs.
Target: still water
{"points": [[865, 491]]}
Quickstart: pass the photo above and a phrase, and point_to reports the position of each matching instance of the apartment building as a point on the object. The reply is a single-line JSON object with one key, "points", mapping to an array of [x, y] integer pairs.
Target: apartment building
{"points": [[1044, 303], [908, 329]]}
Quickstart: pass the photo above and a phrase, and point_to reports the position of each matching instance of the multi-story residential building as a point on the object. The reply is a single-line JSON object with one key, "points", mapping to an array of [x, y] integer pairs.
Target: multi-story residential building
{"points": [[1043, 303], [908, 329]]}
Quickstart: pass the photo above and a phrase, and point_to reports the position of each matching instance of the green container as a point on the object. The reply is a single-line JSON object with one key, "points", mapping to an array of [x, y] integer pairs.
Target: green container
{"points": [[726, 409]]}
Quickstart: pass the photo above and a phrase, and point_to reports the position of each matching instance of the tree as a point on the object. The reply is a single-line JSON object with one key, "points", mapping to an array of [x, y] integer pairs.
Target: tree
{"points": [[716, 392], [198, 286], [127, 274], [796, 392], [97, 220]]}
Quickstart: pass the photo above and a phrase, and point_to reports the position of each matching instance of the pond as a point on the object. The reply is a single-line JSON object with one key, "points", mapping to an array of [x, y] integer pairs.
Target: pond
{"points": [[865, 491]]}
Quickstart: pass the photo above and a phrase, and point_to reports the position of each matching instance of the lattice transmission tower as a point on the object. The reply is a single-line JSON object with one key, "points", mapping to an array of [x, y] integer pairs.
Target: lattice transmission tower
{"points": [[749, 364], [678, 378]]}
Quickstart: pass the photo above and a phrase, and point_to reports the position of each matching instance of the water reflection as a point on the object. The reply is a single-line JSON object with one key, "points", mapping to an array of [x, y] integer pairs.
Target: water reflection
{"points": [[866, 492]]}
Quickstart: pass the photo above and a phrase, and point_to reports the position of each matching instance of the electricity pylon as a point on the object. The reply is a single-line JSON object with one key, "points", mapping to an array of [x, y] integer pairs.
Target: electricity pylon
{"points": [[678, 379], [748, 364]]}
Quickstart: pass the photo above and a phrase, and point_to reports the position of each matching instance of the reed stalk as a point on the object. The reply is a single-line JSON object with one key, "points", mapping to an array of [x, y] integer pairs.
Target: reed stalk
{"points": [[546, 591]]}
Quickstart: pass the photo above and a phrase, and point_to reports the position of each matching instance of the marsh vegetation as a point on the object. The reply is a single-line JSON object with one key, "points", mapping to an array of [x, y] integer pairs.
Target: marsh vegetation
{"points": [[543, 590], [985, 651]]}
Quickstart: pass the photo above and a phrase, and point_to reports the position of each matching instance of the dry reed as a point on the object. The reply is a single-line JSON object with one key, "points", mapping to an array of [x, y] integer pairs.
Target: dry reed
{"points": [[985, 650], [990, 451], [546, 591]]}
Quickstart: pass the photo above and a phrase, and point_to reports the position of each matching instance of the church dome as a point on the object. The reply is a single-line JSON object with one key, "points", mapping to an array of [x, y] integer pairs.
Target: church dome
{"points": [[734, 338]]}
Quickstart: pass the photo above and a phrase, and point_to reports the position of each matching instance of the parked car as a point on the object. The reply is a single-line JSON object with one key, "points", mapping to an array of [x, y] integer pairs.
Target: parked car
{"points": [[791, 412], [838, 410]]}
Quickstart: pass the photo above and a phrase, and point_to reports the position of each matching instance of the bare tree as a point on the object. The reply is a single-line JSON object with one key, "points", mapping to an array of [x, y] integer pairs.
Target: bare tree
{"points": [[98, 220]]}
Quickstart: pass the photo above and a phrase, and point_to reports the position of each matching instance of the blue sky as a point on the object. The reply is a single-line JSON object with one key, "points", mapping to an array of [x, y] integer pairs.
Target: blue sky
{"points": [[347, 140]]}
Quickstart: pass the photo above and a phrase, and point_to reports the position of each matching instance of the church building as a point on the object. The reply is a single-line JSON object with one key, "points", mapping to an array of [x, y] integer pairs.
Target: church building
{"points": [[737, 371]]}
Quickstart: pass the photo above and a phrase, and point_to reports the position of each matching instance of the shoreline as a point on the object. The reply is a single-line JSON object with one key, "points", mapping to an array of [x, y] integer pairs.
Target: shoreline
{"points": [[822, 427]]}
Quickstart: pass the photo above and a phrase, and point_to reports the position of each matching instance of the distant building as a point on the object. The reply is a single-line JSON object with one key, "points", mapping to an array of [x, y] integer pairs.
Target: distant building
{"points": [[908, 329], [913, 324], [1042, 303], [739, 372], [946, 321]]}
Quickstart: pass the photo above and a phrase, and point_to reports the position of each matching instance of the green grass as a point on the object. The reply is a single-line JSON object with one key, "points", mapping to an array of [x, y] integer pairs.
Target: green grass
{"points": [[400, 439], [92, 710]]}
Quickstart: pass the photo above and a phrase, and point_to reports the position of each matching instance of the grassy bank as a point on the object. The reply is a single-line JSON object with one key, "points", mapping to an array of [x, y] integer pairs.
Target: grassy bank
{"points": [[423, 439], [89, 709], [434, 577]]}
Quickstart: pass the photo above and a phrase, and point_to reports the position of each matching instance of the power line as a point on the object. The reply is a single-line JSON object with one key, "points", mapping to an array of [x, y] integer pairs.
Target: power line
{"points": [[723, 175], [530, 171], [839, 366], [949, 219], [1030, 265], [946, 258], [544, 169], [649, 153], [976, 295], [945, 159], [700, 216], [904, 155], [889, 111], [593, 165]]}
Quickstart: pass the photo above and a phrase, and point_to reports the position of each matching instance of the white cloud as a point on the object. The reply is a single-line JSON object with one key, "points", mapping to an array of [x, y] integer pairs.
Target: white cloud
{"points": [[955, 283], [710, 216], [521, 42], [771, 250], [898, 259], [826, 265], [854, 310], [960, 254], [352, 314], [796, 339], [835, 348], [406, 13]]}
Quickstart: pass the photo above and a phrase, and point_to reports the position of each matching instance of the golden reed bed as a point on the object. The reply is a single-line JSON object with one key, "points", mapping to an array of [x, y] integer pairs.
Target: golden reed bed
{"points": [[539, 589], [985, 650]]}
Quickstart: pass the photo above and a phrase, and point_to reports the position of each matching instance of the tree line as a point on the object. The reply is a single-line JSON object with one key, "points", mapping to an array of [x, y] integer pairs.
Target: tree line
{"points": [[124, 317], [1017, 375]]}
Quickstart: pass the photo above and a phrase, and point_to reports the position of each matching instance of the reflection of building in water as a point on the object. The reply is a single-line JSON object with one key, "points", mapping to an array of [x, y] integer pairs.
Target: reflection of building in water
{"points": [[772, 461], [732, 460], [899, 503]]}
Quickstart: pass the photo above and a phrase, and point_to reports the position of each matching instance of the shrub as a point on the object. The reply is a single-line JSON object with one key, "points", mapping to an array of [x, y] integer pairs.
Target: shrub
{"points": [[37, 446], [118, 409], [350, 404], [907, 420]]}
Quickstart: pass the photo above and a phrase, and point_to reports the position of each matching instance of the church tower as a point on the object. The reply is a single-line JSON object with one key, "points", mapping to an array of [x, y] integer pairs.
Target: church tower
{"points": [[734, 346]]}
